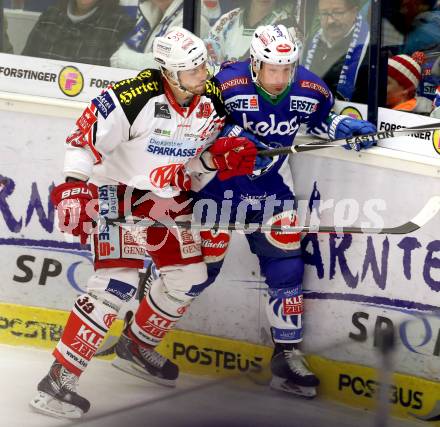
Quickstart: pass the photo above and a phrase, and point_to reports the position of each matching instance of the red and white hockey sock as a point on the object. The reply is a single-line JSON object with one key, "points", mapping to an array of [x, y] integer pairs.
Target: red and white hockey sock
{"points": [[85, 329], [157, 314]]}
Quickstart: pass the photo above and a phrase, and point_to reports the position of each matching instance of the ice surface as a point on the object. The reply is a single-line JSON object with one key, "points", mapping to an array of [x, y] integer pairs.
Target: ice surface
{"points": [[120, 400]]}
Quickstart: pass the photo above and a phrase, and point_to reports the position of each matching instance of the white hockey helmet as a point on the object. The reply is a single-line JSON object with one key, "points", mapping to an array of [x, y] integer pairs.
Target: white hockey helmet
{"points": [[273, 44], [179, 50]]}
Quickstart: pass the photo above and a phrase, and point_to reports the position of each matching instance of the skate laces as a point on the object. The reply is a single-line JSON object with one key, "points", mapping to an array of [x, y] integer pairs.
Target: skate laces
{"points": [[68, 380], [296, 362], [64, 378], [152, 357]]}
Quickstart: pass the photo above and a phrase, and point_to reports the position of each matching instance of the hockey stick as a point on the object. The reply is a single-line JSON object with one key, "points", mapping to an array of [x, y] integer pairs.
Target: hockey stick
{"points": [[429, 211], [320, 144]]}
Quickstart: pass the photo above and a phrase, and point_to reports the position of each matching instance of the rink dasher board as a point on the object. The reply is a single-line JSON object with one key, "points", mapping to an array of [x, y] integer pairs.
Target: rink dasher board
{"points": [[420, 143], [27, 230], [42, 267], [355, 285], [216, 357], [424, 143], [57, 79]]}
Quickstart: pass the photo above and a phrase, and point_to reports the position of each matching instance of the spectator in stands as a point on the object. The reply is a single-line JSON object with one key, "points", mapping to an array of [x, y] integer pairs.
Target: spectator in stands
{"points": [[424, 32], [87, 31], [213, 9], [337, 52], [154, 18], [424, 35], [230, 37], [404, 74], [410, 25]]}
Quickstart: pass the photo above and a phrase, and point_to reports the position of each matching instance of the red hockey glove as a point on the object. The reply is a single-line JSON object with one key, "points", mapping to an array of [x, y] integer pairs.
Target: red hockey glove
{"points": [[181, 180], [233, 156], [74, 208]]}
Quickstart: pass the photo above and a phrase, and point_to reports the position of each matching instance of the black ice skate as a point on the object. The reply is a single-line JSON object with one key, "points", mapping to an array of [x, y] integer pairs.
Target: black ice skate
{"points": [[290, 373], [144, 362], [57, 394]]}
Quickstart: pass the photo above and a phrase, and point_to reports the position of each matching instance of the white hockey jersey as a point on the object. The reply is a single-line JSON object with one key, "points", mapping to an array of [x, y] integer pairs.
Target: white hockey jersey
{"points": [[137, 134]]}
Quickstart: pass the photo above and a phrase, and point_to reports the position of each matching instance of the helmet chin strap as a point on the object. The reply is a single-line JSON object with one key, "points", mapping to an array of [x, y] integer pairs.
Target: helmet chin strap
{"points": [[176, 83]]}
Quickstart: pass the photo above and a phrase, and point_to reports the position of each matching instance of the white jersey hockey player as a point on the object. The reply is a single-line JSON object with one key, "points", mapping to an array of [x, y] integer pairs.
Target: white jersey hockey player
{"points": [[131, 154]]}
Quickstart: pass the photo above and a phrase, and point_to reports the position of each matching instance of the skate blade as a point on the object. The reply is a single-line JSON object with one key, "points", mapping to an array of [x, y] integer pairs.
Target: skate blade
{"points": [[137, 371], [46, 404], [282, 384]]}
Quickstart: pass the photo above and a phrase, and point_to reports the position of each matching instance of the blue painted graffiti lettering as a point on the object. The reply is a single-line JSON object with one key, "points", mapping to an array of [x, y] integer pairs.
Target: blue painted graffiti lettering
{"points": [[432, 262], [314, 258], [6, 189], [380, 276], [35, 206], [337, 254], [407, 244], [315, 199], [376, 255]]}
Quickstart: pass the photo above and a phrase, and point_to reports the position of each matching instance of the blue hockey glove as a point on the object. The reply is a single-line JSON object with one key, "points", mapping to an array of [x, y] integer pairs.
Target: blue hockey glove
{"points": [[346, 127], [235, 130]]}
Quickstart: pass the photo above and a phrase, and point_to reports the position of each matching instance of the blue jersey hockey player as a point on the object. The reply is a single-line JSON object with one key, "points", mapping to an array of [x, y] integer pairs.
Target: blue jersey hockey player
{"points": [[268, 97]]}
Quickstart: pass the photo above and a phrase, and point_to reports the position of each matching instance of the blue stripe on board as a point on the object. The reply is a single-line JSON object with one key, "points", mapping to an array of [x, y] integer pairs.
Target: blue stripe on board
{"points": [[366, 299], [409, 305], [43, 244], [375, 300]]}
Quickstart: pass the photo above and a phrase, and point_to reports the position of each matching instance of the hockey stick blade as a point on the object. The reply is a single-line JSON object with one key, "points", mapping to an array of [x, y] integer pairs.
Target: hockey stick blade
{"points": [[321, 144], [428, 126], [429, 211]]}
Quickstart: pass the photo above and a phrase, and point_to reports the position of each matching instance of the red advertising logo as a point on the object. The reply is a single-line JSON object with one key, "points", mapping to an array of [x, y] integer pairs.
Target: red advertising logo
{"points": [[214, 245], [86, 121], [163, 176], [105, 249], [182, 310], [109, 319], [293, 306], [283, 48]]}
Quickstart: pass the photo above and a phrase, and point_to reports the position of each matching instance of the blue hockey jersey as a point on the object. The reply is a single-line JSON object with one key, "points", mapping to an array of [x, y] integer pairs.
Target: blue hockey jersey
{"points": [[274, 122]]}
